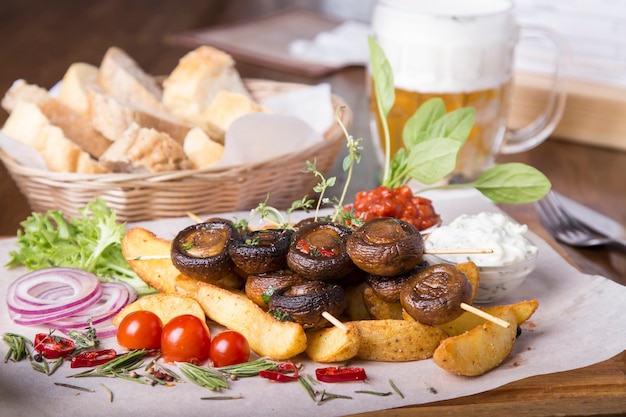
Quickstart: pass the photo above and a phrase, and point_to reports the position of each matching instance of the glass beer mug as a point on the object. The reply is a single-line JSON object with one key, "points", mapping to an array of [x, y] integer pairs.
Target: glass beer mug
{"points": [[461, 51]]}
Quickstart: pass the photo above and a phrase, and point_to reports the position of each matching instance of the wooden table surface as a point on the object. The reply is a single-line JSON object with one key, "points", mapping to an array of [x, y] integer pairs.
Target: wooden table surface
{"points": [[41, 39]]}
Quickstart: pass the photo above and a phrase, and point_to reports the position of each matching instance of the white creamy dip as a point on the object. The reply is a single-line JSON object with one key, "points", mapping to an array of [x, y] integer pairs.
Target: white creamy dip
{"points": [[485, 230]]}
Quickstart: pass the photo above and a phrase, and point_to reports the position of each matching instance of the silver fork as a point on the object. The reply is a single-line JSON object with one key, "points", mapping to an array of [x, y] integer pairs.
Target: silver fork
{"points": [[565, 228]]}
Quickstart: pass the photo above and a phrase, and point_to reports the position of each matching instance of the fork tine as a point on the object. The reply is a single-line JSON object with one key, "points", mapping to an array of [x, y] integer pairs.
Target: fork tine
{"points": [[568, 221]]}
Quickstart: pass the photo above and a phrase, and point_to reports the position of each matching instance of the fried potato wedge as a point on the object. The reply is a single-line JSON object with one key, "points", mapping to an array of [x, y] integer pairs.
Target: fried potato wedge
{"points": [[523, 310], [355, 309], [473, 276], [278, 340], [397, 340], [166, 306], [380, 309], [138, 245], [479, 350], [333, 344]]}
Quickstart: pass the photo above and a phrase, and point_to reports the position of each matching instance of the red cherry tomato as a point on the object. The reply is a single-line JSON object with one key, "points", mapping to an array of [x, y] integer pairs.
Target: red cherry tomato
{"points": [[229, 348], [140, 330], [185, 338]]}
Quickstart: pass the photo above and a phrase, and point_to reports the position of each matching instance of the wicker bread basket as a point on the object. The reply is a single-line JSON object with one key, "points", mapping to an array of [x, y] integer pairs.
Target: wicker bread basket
{"points": [[137, 197]]}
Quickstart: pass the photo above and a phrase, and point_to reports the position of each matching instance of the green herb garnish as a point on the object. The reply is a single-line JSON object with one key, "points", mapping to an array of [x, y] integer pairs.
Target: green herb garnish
{"points": [[91, 241], [432, 139]]}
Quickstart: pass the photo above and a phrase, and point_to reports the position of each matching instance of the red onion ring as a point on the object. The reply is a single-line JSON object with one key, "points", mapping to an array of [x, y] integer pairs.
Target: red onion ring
{"points": [[115, 296], [67, 299]]}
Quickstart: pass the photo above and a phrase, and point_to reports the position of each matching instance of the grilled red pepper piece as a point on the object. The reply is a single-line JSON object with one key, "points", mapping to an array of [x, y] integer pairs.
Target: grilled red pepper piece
{"points": [[52, 347], [340, 374], [92, 358], [286, 372]]}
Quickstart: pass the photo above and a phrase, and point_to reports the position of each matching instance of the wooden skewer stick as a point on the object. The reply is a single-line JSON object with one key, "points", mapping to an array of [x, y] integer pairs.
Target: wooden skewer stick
{"points": [[334, 321], [149, 257], [453, 251], [485, 315], [194, 217]]}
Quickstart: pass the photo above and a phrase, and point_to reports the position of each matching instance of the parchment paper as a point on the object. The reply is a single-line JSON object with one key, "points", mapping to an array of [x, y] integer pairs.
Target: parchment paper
{"points": [[571, 329]]}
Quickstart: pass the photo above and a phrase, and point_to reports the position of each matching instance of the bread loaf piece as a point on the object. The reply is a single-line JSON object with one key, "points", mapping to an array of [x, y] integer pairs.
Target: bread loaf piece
{"points": [[29, 125], [76, 126], [225, 108], [120, 76], [141, 149], [193, 83], [112, 117], [201, 149], [77, 81]]}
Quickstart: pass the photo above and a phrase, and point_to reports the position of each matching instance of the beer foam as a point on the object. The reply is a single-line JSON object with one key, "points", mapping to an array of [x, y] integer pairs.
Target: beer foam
{"points": [[447, 46]]}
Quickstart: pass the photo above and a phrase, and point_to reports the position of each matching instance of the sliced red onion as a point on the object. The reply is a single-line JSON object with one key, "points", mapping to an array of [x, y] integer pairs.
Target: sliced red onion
{"points": [[67, 299], [31, 293]]}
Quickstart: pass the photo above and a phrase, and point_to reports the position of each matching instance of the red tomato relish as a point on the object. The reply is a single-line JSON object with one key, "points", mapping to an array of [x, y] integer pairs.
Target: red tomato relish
{"points": [[397, 202]]}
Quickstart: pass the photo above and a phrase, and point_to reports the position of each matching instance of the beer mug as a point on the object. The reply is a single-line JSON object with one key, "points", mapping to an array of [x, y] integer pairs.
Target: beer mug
{"points": [[461, 51]]}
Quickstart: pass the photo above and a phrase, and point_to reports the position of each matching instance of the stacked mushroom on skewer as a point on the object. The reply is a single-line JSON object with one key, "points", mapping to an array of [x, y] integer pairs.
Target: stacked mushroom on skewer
{"points": [[301, 274]]}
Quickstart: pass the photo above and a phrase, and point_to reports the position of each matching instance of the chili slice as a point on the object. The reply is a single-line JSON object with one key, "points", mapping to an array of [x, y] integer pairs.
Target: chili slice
{"points": [[52, 347], [285, 372], [92, 358], [340, 374]]}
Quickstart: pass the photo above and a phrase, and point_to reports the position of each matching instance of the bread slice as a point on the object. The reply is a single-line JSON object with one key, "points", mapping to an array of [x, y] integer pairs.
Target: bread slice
{"points": [[193, 83], [112, 117], [142, 149], [28, 124], [225, 108], [201, 149], [120, 76], [77, 81], [76, 126]]}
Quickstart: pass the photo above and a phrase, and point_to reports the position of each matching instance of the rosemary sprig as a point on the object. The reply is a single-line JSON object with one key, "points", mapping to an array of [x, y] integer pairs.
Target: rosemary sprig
{"points": [[123, 366], [204, 377], [248, 369], [44, 366], [377, 393], [395, 388], [18, 347], [76, 387]]}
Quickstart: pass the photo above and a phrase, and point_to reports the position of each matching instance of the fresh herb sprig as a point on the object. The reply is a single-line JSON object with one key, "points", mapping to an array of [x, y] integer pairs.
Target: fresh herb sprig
{"points": [[18, 347], [124, 366], [217, 379], [432, 139]]}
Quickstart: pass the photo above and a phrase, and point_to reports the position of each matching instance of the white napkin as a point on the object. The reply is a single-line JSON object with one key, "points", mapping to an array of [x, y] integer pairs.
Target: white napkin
{"points": [[345, 45]]}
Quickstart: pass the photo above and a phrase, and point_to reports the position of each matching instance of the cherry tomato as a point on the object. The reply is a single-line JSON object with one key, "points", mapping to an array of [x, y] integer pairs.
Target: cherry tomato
{"points": [[229, 348], [140, 330], [185, 338]]}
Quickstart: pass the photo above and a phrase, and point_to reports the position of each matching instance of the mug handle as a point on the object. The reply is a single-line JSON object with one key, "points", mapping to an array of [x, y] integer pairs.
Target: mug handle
{"points": [[534, 133]]}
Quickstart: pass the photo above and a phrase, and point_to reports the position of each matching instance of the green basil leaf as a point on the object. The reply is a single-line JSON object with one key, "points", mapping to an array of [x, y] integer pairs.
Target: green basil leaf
{"points": [[418, 126], [383, 77], [513, 183], [455, 125], [433, 159]]}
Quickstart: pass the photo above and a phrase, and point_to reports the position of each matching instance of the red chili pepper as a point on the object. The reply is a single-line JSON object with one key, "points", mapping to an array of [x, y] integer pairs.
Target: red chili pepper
{"points": [[52, 347], [340, 374], [92, 358], [286, 372], [304, 247]]}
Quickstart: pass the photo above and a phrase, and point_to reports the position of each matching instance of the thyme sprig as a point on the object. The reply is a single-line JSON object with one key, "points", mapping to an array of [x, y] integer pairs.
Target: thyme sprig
{"points": [[86, 340]]}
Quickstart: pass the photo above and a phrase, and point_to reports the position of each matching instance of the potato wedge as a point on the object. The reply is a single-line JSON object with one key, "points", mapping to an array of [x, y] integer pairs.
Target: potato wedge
{"points": [[332, 344], [355, 309], [397, 340], [479, 350], [473, 276], [523, 311], [161, 273], [158, 273], [380, 309], [278, 340], [166, 306]]}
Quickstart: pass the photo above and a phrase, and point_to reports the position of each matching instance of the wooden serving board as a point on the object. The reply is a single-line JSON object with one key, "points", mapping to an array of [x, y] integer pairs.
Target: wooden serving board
{"points": [[595, 114]]}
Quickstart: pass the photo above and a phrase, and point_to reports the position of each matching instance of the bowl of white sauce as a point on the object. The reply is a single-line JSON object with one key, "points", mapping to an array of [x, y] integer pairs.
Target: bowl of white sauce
{"points": [[511, 255]]}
